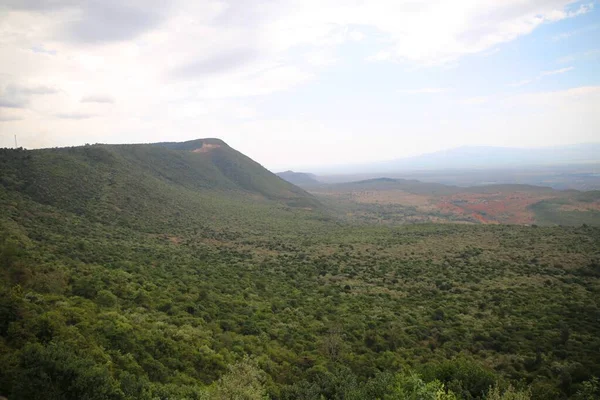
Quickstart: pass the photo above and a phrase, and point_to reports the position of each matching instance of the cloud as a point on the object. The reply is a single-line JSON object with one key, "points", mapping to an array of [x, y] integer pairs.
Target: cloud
{"points": [[442, 32], [216, 64], [321, 58], [431, 90], [169, 65], [115, 20], [476, 100], [586, 55], [39, 5], [381, 56], [19, 96], [97, 99], [490, 52], [527, 103], [11, 97], [556, 71], [33, 90], [569, 34], [357, 36], [42, 50], [12, 103], [560, 97], [521, 83], [74, 115], [98, 21], [9, 118], [540, 76]]}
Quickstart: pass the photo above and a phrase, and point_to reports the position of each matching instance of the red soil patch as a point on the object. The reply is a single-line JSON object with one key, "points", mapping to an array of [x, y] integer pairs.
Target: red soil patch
{"points": [[509, 208]]}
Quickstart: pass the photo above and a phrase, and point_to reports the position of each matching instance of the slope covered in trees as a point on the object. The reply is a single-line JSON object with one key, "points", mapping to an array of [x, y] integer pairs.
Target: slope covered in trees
{"points": [[153, 271]]}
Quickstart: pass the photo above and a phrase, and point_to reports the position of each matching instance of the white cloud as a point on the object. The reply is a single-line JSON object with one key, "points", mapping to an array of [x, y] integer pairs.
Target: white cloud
{"points": [[521, 83], [74, 115], [98, 98], [586, 96], [320, 58], [540, 76], [205, 68], [357, 36], [476, 100], [430, 90], [586, 55], [557, 71]]}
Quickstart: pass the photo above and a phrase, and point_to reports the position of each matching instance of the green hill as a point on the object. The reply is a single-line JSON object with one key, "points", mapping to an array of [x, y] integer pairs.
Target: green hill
{"points": [[149, 185]]}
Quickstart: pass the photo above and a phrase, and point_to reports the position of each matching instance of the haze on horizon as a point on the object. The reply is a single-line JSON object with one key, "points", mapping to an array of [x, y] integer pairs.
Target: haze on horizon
{"points": [[301, 83]]}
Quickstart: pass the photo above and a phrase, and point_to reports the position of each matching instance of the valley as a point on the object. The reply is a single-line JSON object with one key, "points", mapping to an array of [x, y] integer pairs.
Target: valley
{"points": [[393, 201], [165, 271]]}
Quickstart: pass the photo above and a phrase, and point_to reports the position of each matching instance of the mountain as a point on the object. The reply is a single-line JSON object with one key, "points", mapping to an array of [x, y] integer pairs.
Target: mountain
{"points": [[147, 185], [483, 157], [299, 178]]}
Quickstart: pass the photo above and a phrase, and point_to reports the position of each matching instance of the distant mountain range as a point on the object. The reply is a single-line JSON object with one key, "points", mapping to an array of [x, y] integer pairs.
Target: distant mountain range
{"points": [[482, 157]]}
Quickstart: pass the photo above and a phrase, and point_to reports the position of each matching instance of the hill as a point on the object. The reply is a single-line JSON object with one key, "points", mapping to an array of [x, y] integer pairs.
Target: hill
{"points": [[148, 184], [299, 178]]}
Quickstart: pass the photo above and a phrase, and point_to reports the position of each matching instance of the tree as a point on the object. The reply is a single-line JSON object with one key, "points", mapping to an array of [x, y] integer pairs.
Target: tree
{"points": [[495, 393], [106, 298], [244, 381], [410, 386], [56, 372], [590, 390]]}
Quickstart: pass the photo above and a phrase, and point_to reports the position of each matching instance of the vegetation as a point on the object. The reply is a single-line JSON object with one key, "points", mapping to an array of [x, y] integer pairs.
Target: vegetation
{"points": [[394, 201], [146, 272], [551, 212]]}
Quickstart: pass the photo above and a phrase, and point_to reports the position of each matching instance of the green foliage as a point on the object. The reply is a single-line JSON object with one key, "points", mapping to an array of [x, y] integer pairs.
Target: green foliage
{"points": [[496, 393], [244, 381], [590, 390], [467, 379], [549, 212], [105, 298], [412, 387], [57, 373]]}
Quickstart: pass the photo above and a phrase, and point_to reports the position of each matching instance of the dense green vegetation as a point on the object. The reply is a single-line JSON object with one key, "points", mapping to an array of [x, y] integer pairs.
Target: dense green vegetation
{"points": [[550, 212], [147, 272]]}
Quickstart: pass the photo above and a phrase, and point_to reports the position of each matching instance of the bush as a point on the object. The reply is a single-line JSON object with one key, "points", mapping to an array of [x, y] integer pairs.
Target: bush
{"points": [[105, 298], [59, 373]]}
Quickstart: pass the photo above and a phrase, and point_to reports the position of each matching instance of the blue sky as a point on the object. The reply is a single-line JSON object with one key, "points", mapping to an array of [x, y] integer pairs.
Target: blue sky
{"points": [[302, 84]]}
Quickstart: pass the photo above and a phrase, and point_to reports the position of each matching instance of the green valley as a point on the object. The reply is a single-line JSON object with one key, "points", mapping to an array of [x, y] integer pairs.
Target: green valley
{"points": [[189, 271]]}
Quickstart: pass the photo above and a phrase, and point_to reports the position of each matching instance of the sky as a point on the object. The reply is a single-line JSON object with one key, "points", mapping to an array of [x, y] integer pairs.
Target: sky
{"points": [[301, 83]]}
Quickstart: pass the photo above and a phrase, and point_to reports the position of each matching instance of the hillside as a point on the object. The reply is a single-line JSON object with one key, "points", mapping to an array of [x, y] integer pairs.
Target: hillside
{"points": [[188, 271], [144, 185], [299, 178]]}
